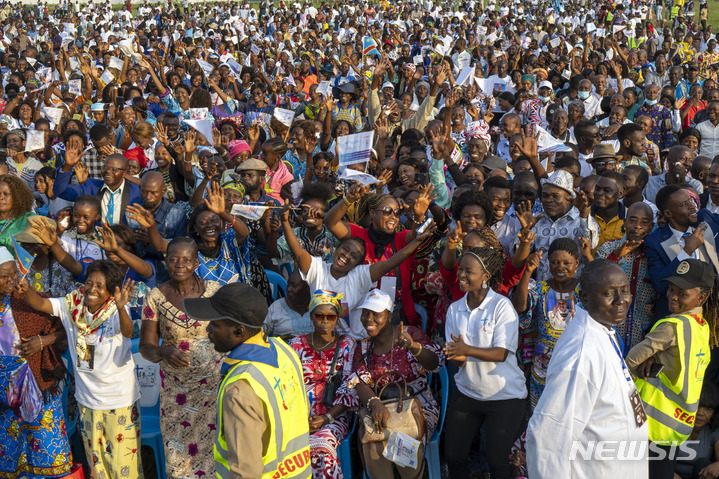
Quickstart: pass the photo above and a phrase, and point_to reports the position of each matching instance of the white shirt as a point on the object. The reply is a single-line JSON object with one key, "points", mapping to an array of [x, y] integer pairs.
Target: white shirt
{"points": [[711, 206], [709, 145], [658, 182], [493, 324], [586, 399], [112, 382], [117, 203], [592, 106], [281, 320], [354, 286]]}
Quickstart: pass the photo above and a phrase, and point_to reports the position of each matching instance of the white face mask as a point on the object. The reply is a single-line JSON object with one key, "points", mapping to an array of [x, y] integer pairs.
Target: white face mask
{"points": [[583, 95]]}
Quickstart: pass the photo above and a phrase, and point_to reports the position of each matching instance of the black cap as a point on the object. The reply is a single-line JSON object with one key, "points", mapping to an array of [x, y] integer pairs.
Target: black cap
{"points": [[237, 302], [692, 273]]}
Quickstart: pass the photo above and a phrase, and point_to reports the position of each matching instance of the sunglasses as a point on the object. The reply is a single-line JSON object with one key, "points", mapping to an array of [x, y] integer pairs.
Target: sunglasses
{"points": [[325, 317], [388, 211], [605, 163]]}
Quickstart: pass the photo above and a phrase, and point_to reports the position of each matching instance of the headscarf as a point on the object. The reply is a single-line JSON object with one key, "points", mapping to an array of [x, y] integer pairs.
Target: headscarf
{"points": [[322, 296], [528, 77], [478, 129]]}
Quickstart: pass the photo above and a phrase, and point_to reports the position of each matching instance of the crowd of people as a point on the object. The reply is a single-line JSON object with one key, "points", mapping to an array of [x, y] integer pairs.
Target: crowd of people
{"points": [[520, 196]]}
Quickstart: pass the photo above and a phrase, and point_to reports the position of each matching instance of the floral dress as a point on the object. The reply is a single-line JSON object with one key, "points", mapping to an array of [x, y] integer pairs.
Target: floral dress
{"points": [[316, 367], [367, 367], [548, 314], [187, 401]]}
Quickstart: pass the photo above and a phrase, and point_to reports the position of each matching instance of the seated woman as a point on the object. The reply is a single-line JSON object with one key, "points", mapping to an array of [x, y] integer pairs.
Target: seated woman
{"points": [[98, 325], [325, 354], [30, 345], [410, 354], [289, 316]]}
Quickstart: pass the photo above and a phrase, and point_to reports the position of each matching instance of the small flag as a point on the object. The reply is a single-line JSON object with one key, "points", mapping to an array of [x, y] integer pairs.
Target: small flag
{"points": [[291, 81], [369, 46], [24, 259], [253, 212]]}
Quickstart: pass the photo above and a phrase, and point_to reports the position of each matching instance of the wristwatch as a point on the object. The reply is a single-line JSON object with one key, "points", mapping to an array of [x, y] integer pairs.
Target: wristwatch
{"points": [[329, 417]]}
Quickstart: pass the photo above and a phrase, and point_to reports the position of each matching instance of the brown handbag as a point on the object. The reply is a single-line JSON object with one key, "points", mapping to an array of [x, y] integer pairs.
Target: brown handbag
{"points": [[406, 414]]}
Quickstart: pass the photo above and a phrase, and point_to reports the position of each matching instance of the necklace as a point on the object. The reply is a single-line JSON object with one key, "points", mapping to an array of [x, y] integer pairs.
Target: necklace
{"points": [[312, 341]]}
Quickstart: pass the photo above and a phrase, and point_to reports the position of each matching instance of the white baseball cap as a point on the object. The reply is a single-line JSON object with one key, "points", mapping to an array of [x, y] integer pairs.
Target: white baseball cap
{"points": [[377, 301]]}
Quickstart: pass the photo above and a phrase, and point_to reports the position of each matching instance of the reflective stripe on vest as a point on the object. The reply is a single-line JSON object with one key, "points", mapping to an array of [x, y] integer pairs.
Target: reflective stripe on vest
{"points": [[671, 407], [290, 460]]}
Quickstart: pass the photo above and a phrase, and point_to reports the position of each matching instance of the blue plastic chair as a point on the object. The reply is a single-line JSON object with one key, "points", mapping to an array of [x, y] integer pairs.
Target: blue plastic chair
{"points": [[431, 452], [422, 314], [286, 269], [343, 451], [276, 282], [151, 435]]}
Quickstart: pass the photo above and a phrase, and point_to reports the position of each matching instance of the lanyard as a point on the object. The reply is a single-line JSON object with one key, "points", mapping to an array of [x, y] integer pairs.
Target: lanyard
{"points": [[625, 370]]}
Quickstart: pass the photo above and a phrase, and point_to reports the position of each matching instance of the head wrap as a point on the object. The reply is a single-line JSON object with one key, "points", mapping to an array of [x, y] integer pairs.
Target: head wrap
{"points": [[528, 77], [478, 129], [322, 296], [137, 154], [19, 132]]}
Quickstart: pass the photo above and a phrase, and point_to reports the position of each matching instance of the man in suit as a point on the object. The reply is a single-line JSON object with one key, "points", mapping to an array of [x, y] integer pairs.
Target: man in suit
{"points": [[114, 192], [688, 233]]}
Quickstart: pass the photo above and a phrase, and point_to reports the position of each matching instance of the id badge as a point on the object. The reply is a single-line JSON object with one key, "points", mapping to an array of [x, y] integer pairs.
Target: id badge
{"points": [[88, 365], [640, 416]]}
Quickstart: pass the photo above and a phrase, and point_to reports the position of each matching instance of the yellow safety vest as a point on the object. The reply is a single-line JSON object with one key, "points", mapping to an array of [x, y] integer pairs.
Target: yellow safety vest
{"points": [[671, 407], [282, 392]]}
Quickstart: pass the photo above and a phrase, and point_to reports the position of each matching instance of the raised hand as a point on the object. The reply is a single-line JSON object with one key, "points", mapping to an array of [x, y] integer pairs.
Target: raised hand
{"points": [[533, 261], [123, 296], [107, 240], [215, 200], [585, 248], [526, 235], [455, 236], [696, 239], [81, 173], [421, 204], [528, 146], [139, 214], [524, 214], [356, 192], [44, 230]]}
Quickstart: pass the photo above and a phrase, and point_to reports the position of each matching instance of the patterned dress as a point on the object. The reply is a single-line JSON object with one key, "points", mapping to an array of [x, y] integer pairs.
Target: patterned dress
{"points": [[403, 363], [187, 401], [316, 366], [548, 313]]}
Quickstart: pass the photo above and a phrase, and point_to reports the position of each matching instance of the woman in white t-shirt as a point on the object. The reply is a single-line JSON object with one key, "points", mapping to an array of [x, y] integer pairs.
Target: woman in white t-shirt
{"points": [[482, 329], [99, 328], [346, 274]]}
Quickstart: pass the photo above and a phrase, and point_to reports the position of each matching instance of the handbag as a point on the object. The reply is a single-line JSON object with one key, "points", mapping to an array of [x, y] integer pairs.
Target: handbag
{"points": [[406, 414], [334, 380]]}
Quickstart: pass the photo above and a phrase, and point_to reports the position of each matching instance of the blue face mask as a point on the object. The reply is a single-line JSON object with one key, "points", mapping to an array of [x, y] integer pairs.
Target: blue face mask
{"points": [[583, 95], [651, 102], [544, 99]]}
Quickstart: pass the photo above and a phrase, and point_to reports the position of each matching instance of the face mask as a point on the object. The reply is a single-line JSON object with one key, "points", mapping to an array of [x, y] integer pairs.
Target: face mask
{"points": [[583, 95], [544, 99], [651, 102]]}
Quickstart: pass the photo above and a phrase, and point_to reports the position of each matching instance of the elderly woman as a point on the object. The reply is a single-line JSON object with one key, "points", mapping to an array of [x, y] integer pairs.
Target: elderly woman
{"points": [[98, 325], [406, 352], [16, 200], [326, 357], [31, 413], [188, 363]]}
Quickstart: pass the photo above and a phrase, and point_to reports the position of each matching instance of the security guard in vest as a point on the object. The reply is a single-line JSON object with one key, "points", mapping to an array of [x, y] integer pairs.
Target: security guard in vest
{"points": [[671, 360], [262, 418]]}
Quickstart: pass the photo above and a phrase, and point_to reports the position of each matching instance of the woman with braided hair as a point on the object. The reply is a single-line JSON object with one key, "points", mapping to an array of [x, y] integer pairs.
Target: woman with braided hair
{"points": [[382, 238], [482, 332]]}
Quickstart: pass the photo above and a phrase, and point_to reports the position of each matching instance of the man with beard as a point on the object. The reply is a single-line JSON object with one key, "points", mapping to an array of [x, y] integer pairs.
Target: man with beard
{"points": [[252, 176], [680, 238], [628, 252], [679, 162], [589, 395]]}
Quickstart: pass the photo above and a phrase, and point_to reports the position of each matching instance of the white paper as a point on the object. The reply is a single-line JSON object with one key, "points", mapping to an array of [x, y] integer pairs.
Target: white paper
{"points": [[355, 148], [555, 42], [284, 116], [35, 140], [252, 212], [75, 87], [618, 28], [53, 114], [116, 63], [418, 60], [546, 143], [290, 80], [255, 50], [591, 27], [107, 77], [354, 175], [601, 32], [198, 113], [235, 67], [206, 67], [484, 84], [324, 88], [202, 126], [492, 37], [465, 76], [74, 64]]}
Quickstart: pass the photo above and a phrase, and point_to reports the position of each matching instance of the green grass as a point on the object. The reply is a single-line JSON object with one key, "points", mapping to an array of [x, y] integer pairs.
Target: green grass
{"points": [[713, 17]]}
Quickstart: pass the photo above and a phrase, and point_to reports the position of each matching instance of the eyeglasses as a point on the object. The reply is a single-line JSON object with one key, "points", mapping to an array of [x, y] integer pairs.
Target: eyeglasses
{"points": [[388, 211], [114, 169], [605, 163], [325, 317]]}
